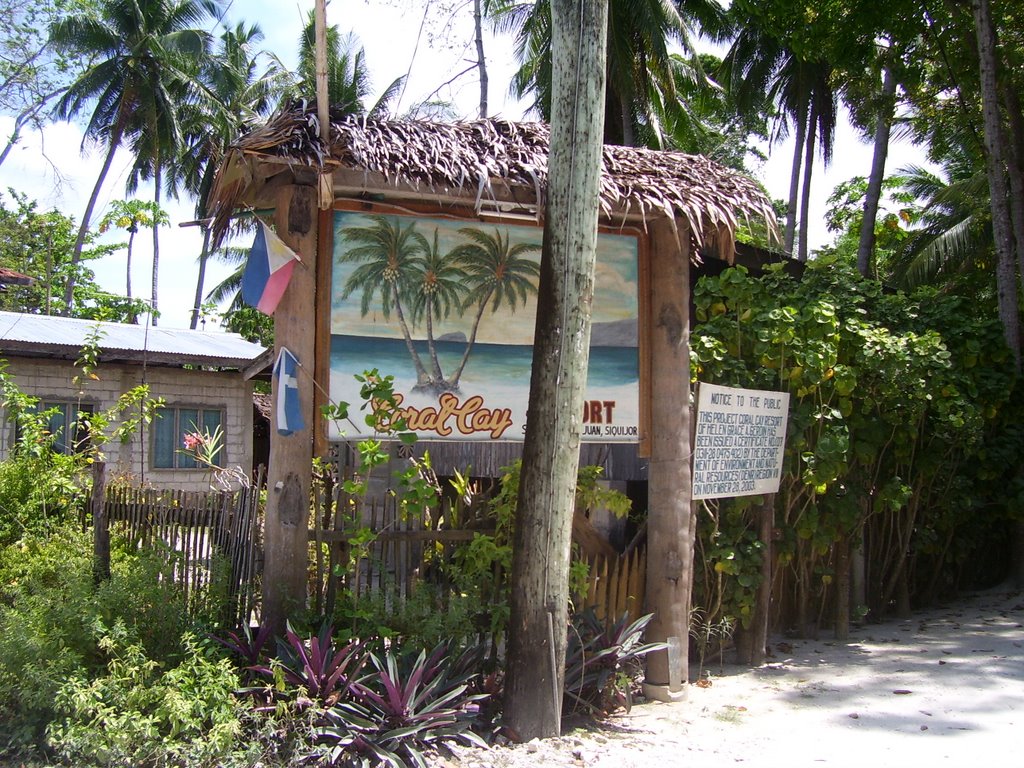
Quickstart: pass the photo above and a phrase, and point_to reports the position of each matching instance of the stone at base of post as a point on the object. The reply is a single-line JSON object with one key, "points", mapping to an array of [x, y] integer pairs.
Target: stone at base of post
{"points": [[663, 693]]}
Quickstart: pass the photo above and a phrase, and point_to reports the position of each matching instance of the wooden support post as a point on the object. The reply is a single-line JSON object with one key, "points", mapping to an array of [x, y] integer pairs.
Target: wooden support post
{"points": [[670, 516], [100, 524], [289, 475]]}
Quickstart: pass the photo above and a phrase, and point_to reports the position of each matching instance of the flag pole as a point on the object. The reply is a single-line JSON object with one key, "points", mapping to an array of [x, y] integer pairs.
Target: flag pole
{"points": [[322, 102]]}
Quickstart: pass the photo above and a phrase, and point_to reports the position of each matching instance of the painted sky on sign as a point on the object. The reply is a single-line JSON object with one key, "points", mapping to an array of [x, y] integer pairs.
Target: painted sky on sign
{"points": [[615, 292]]}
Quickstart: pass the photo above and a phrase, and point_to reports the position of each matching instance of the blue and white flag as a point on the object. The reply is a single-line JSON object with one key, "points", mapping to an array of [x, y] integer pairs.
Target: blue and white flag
{"points": [[288, 411]]}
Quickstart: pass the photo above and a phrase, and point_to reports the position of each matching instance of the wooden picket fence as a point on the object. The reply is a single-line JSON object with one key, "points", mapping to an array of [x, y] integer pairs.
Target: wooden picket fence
{"points": [[200, 534], [616, 585], [405, 551]]}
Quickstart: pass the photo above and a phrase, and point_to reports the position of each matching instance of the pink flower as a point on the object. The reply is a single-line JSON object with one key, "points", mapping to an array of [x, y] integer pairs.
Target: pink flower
{"points": [[193, 441]]}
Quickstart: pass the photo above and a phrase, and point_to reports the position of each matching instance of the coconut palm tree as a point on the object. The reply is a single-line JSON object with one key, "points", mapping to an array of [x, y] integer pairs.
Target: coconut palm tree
{"points": [[956, 231], [240, 86], [390, 257], [348, 78], [130, 215], [498, 273], [439, 288], [143, 51], [641, 70], [761, 70]]}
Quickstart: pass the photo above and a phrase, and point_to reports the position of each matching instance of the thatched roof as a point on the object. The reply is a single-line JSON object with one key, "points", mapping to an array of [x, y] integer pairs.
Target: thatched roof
{"points": [[482, 162]]}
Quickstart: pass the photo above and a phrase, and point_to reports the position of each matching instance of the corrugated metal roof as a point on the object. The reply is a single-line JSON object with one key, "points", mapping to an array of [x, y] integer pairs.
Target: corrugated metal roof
{"points": [[10, 277], [45, 335]]}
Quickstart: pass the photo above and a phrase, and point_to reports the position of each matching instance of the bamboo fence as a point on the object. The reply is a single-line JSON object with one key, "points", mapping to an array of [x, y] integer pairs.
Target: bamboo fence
{"points": [[202, 536]]}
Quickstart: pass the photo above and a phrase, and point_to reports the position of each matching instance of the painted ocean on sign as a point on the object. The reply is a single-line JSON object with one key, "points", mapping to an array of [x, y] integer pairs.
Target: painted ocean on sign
{"points": [[498, 373]]}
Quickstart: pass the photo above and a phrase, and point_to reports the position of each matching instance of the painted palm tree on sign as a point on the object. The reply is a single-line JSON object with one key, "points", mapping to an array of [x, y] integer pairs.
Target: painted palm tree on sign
{"points": [[439, 289], [390, 258], [499, 273]]}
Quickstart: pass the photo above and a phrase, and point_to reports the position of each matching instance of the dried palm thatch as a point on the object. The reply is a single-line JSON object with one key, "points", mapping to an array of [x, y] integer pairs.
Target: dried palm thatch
{"points": [[489, 159]]}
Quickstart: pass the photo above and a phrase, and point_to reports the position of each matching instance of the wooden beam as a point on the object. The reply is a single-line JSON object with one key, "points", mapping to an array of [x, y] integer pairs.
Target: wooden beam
{"points": [[669, 515], [322, 355], [291, 456]]}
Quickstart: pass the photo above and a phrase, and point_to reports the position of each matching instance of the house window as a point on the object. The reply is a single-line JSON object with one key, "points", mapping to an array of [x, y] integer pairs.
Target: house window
{"points": [[64, 421], [169, 429]]}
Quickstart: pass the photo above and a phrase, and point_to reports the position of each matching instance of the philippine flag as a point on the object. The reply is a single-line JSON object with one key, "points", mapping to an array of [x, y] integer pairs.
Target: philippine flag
{"points": [[287, 408], [267, 271]]}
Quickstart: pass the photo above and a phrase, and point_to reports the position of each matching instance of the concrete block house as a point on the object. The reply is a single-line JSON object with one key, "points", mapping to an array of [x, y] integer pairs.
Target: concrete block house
{"points": [[205, 379]]}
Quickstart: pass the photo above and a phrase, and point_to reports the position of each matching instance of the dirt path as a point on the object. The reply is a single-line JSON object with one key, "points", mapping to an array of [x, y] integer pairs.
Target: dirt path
{"points": [[946, 687]]}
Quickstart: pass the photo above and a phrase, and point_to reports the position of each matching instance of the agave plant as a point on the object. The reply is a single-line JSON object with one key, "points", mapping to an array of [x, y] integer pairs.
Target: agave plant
{"points": [[325, 671], [248, 647], [402, 709], [602, 662], [250, 650]]}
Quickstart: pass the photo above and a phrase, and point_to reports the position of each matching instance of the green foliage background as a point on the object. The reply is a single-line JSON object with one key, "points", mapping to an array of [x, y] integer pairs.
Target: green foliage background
{"points": [[901, 427]]}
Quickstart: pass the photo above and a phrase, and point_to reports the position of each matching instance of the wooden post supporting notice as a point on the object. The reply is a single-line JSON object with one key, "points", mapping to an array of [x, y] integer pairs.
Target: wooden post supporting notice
{"points": [[290, 472], [752, 642], [670, 517], [100, 524]]}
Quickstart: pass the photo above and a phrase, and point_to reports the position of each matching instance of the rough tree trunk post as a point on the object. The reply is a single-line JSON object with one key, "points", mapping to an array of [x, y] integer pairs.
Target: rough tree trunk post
{"points": [[1006, 272], [670, 516], [540, 563], [100, 524], [288, 477], [793, 204]]}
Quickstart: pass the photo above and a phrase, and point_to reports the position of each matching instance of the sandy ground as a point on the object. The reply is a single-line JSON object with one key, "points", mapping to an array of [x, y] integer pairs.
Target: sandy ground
{"points": [[944, 687]]}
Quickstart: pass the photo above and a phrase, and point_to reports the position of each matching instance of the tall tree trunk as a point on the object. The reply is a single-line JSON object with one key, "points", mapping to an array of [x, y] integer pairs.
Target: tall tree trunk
{"points": [[204, 255], [540, 561], [805, 197], [83, 228], [128, 266], [1014, 144], [481, 62], [995, 166], [883, 124], [794, 181], [286, 545], [154, 311], [626, 113]]}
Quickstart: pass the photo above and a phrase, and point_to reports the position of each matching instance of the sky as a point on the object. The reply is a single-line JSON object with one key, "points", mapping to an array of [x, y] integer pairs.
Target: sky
{"points": [[398, 40]]}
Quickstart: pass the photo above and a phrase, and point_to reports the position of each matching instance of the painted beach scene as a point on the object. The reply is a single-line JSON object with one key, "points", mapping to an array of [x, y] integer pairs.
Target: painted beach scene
{"points": [[448, 307]]}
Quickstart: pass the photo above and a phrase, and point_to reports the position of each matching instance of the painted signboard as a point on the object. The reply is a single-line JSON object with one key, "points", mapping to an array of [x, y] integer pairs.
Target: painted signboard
{"points": [[448, 308], [740, 441]]}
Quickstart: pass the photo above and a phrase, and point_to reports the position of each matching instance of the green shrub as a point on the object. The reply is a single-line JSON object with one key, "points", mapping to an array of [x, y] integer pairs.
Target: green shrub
{"points": [[422, 619], [52, 619], [136, 714]]}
